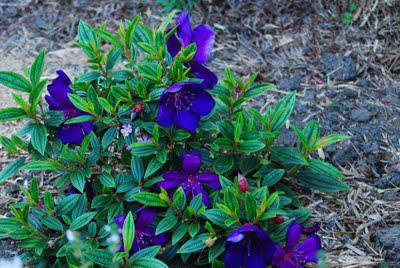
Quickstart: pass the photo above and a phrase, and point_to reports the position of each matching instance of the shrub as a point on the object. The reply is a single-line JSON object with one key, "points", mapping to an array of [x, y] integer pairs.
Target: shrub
{"points": [[155, 161]]}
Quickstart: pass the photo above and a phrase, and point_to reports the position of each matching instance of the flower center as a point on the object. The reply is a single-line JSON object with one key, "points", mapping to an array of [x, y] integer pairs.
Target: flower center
{"points": [[71, 113], [143, 239], [182, 100]]}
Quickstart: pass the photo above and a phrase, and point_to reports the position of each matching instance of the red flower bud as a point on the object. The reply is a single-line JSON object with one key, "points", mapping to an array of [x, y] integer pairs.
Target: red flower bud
{"points": [[245, 79], [238, 90], [277, 220], [243, 184], [138, 108]]}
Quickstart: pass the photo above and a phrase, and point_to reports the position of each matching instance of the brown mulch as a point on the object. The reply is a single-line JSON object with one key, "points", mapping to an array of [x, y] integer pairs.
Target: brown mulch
{"points": [[277, 39]]}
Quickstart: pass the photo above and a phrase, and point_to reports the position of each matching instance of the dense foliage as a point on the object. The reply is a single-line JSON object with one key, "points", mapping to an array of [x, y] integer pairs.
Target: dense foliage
{"points": [[155, 162]]}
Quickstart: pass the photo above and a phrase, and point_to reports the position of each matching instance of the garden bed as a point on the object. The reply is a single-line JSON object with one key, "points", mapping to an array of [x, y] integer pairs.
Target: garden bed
{"points": [[345, 76]]}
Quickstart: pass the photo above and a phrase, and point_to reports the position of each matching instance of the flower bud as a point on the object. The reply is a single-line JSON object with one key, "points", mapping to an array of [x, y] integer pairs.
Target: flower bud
{"points": [[277, 220], [243, 184], [311, 229], [137, 109], [210, 242]]}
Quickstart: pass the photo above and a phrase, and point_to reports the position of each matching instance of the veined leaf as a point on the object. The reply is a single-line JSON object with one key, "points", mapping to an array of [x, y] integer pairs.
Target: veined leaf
{"points": [[320, 182], [11, 113], [15, 81], [149, 199], [11, 169]]}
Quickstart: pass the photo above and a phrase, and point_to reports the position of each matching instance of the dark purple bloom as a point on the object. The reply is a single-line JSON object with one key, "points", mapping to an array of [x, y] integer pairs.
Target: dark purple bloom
{"points": [[59, 101], [203, 35], [190, 179], [311, 229], [145, 235], [182, 104], [249, 247], [295, 254]]}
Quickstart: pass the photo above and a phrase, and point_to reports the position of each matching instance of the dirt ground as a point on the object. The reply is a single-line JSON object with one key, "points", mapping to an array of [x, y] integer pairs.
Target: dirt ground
{"points": [[347, 77]]}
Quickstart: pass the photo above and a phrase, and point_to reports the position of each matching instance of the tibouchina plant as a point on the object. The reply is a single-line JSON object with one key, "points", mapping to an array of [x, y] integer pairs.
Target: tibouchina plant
{"points": [[152, 162]]}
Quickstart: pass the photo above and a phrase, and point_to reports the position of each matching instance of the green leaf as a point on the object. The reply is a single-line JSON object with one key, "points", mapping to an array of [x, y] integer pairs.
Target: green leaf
{"points": [[250, 205], [11, 113], [39, 138], [108, 137], [194, 244], [130, 31], [128, 232], [143, 148], [320, 182], [107, 180], [273, 177], [41, 165], [216, 251], [15, 81], [257, 90], [329, 139], [11, 169], [230, 200], [251, 146], [325, 168], [287, 155], [216, 216], [52, 223], [48, 200], [79, 119], [179, 233], [36, 94], [166, 224], [137, 168], [88, 77], [149, 199], [194, 228], [79, 102], [152, 167], [37, 68], [223, 163], [100, 256], [144, 262], [179, 199], [277, 117], [78, 180], [180, 135], [224, 143], [149, 252], [67, 204], [121, 93], [82, 220], [110, 38], [150, 71]]}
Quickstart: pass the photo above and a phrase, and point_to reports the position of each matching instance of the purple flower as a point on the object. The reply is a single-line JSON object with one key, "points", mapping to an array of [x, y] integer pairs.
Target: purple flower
{"points": [[143, 138], [295, 254], [249, 247], [190, 179], [145, 235], [203, 35], [59, 101], [183, 104], [126, 130]]}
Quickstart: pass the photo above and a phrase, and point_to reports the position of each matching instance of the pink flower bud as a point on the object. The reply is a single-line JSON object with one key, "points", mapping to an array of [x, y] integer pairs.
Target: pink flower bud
{"points": [[243, 184], [277, 220]]}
